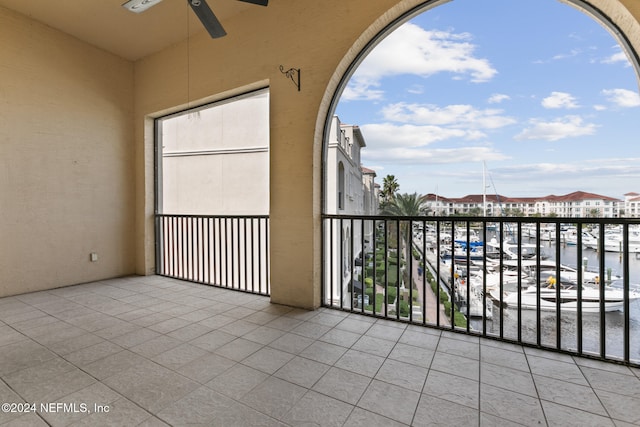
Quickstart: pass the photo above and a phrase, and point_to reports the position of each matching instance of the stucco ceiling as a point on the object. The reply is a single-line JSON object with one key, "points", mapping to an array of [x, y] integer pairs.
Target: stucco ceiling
{"points": [[107, 25]]}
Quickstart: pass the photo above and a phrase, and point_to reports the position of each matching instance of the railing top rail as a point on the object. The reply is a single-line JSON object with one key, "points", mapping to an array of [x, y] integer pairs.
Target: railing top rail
{"points": [[523, 220], [167, 215]]}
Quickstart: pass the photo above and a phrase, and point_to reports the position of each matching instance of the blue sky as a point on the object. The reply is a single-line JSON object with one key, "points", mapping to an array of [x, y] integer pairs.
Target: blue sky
{"points": [[538, 91]]}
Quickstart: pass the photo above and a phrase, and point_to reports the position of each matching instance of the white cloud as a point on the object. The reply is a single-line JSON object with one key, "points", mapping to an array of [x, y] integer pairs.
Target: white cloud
{"points": [[414, 50], [559, 100], [363, 91], [539, 179], [390, 135], [617, 57], [622, 97], [391, 144], [561, 128], [497, 98], [458, 116], [416, 89], [423, 156], [572, 53], [602, 168]]}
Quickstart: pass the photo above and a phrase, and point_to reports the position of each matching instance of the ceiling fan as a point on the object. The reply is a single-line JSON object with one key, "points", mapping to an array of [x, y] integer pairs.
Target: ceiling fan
{"points": [[200, 8]]}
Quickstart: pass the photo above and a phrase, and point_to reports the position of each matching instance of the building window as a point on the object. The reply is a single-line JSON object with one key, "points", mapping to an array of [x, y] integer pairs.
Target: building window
{"points": [[340, 186]]}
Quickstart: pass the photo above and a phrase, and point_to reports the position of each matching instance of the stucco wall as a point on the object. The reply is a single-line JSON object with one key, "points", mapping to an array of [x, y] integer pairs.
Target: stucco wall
{"points": [[312, 36], [66, 159], [70, 184], [320, 38]]}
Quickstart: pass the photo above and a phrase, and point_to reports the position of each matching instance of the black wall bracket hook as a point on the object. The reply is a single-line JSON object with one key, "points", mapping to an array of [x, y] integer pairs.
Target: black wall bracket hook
{"points": [[292, 74]]}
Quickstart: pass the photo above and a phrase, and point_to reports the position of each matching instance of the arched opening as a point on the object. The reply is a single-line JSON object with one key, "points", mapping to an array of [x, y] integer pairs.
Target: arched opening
{"points": [[399, 236]]}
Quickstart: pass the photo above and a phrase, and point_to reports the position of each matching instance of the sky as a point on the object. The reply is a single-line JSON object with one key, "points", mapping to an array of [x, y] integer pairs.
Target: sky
{"points": [[532, 98]]}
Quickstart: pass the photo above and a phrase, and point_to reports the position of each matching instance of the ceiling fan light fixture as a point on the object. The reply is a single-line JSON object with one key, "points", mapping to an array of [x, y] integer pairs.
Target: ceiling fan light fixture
{"points": [[138, 6]]}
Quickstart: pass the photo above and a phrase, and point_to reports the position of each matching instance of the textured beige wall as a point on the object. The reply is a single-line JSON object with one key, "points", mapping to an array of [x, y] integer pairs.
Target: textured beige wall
{"points": [[66, 159], [67, 169], [320, 38], [312, 36]]}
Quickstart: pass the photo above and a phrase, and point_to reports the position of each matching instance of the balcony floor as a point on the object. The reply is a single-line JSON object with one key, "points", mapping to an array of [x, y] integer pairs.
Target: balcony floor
{"points": [[156, 351]]}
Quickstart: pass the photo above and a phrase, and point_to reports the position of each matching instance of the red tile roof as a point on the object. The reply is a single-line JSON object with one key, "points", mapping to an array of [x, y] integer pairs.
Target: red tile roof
{"points": [[496, 198]]}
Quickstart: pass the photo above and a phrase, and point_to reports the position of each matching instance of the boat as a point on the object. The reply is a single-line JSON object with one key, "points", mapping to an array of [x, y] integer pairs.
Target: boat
{"points": [[473, 305], [588, 239], [548, 268], [614, 241], [548, 298], [464, 249], [510, 250]]}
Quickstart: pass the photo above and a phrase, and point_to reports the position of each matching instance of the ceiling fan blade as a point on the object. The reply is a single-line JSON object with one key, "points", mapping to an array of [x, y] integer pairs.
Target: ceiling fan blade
{"points": [[207, 17], [258, 2]]}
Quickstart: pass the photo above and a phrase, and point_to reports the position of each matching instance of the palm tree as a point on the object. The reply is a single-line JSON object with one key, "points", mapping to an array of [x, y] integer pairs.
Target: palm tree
{"points": [[405, 205], [390, 187]]}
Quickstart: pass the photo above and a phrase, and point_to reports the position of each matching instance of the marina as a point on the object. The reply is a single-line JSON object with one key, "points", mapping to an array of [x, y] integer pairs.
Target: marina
{"points": [[546, 290]]}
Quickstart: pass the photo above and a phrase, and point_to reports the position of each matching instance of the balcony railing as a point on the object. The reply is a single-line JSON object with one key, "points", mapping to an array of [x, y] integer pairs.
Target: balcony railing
{"points": [[563, 284], [226, 251]]}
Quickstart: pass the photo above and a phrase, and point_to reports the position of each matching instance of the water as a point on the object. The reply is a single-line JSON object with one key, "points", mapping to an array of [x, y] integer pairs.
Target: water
{"points": [[597, 330], [591, 260]]}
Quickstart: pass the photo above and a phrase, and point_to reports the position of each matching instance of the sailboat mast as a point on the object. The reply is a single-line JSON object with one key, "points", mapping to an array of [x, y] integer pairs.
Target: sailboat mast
{"points": [[484, 189]]}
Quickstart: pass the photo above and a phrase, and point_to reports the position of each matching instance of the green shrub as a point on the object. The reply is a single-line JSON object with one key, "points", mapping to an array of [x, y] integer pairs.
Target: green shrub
{"points": [[369, 291], [404, 309], [379, 301], [368, 271], [368, 282], [447, 308], [459, 319], [392, 293], [444, 297]]}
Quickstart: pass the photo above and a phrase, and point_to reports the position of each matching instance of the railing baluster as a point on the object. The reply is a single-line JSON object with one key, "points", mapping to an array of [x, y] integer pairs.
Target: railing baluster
{"points": [[452, 296], [233, 252], [580, 280], [601, 282], [625, 285], [519, 285], [438, 278], [386, 270], [484, 278], [537, 279], [558, 290], [423, 268], [398, 260], [214, 250], [501, 278], [341, 262]]}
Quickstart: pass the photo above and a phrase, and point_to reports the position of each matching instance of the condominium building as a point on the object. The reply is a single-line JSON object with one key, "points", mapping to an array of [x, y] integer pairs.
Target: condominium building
{"points": [[350, 190], [578, 204], [631, 208]]}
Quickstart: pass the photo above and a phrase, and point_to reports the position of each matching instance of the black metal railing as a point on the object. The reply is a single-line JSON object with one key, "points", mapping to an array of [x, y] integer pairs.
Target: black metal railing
{"points": [[563, 284], [226, 251]]}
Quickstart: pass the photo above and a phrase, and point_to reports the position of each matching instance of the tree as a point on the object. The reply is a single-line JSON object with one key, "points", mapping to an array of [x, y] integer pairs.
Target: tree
{"points": [[475, 211], [405, 205], [390, 187]]}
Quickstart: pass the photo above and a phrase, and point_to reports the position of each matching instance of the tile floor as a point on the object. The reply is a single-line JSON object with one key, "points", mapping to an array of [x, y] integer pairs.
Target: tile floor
{"points": [[152, 351]]}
